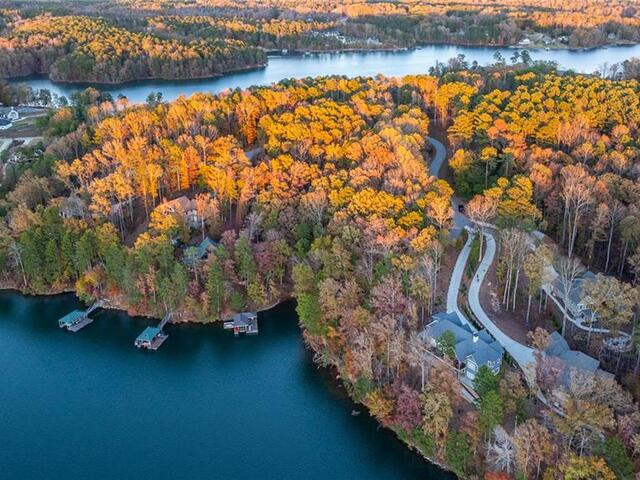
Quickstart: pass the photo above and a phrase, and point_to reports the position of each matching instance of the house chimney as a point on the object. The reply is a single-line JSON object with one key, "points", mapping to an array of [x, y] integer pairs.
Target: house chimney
{"points": [[475, 337]]}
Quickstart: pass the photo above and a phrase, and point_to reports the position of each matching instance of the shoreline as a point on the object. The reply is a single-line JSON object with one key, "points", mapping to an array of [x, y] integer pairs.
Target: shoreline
{"points": [[89, 83], [284, 53]]}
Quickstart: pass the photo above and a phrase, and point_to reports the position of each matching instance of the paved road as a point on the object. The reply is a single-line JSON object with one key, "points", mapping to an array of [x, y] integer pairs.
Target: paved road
{"points": [[437, 162], [522, 354], [456, 280]]}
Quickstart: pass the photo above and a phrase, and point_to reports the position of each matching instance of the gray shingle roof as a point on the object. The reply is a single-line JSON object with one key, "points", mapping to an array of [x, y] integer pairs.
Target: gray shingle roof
{"points": [[575, 293], [483, 350]]}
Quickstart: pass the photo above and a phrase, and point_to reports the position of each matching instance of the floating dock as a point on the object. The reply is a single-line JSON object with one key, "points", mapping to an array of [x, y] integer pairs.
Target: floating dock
{"points": [[245, 322], [74, 321], [152, 337]]}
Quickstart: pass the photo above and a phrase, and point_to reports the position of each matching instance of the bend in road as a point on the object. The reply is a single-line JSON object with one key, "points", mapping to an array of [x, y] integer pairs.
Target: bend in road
{"points": [[522, 354]]}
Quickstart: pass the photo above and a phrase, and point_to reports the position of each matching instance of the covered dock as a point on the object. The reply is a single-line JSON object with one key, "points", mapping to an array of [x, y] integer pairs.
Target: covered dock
{"points": [[245, 322], [151, 338], [74, 321]]}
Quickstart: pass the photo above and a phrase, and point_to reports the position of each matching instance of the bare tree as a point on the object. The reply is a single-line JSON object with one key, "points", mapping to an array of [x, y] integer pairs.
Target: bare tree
{"points": [[514, 249], [578, 197], [501, 451], [569, 269], [481, 209]]}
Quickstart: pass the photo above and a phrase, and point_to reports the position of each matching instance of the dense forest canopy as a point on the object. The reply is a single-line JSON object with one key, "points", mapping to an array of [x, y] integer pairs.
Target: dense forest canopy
{"points": [[73, 48], [319, 189], [125, 40], [558, 130]]}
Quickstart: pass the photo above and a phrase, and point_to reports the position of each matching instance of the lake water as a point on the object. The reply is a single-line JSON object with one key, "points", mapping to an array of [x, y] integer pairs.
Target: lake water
{"points": [[352, 64], [206, 405]]}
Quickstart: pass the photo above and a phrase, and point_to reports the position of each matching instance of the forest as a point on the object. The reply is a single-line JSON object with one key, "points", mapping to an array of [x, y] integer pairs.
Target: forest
{"points": [[83, 49], [405, 23], [111, 42], [319, 189]]}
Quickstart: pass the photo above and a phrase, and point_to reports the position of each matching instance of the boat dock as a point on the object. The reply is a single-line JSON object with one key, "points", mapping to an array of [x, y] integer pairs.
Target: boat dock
{"points": [[78, 319], [245, 322], [152, 337]]}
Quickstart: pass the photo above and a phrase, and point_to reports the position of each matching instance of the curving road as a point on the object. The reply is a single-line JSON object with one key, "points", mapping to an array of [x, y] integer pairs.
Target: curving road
{"points": [[522, 354], [437, 162]]}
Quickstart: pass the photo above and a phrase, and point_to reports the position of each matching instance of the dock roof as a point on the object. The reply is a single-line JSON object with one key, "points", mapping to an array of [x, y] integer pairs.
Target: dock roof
{"points": [[71, 317], [148, 334], [244, 319]]}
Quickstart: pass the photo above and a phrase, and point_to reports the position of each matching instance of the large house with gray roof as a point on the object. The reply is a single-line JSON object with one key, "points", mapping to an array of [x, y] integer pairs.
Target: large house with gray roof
{"points": [[473, 349], [573, 360]]}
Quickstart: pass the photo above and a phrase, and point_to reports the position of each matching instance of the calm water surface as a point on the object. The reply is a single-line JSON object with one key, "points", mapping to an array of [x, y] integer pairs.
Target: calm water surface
{"points": [[206, 405], [353, 64]]}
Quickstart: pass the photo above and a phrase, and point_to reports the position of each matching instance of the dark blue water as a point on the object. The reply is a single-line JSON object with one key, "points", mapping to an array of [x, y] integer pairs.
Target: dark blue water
{"points": [[352, 64], [206, 405]]}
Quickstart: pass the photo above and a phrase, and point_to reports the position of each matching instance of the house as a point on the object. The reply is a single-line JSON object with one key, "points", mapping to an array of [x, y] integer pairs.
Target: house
{"points": [[5, 124], [473, 349], [575, 299], [73, 207], [573, 360], [245, 322], [186, 207], [199, 252], [524, 42]]}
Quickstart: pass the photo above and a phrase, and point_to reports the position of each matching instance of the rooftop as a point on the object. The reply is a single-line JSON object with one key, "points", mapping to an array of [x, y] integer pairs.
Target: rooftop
{"points": [[575, 293], [572, 359], [71, 317], [148, 334], [478, 345], [244, 319]]}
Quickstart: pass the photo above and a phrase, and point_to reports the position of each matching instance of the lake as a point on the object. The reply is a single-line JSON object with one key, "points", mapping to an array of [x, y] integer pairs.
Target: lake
{"points": [[206, 405], [350, 64]]}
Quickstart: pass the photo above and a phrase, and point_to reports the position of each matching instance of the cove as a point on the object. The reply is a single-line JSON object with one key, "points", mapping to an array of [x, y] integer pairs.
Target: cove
{"points": [[350, 64], [206, 405]]}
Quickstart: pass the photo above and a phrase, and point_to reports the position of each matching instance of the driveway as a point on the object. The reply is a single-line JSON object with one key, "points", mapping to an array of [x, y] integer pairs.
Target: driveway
{"points": [[437, 162], [522, 354]]}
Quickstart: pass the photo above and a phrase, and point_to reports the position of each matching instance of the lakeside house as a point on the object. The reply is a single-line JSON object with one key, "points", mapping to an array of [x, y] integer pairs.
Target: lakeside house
{"points": [[245, 322], [199, 252], [473, 349], [185, 207], [577, 367]]}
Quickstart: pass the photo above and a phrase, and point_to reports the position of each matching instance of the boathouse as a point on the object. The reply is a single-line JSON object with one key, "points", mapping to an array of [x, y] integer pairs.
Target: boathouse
{"points": [[245, 322], [74, 321], [151, 338]]}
